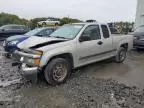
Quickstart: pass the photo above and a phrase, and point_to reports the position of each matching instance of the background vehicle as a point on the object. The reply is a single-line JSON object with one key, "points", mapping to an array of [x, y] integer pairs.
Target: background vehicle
{"points": [[10, 44], [69, 47], [139, 37], [91, 21], [49, 22], [13, 29], [114, 30]]}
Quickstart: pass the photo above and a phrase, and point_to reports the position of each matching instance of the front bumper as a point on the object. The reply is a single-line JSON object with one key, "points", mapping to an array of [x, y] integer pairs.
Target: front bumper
{"points": [[30, 73], [28, 70]]}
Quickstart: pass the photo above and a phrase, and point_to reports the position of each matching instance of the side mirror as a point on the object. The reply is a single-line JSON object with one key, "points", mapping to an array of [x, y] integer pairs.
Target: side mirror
{"points": [[84, 38]]}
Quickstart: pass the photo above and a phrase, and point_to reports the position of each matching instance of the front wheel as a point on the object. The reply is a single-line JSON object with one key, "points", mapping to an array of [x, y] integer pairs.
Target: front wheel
{"points": [[121, 55], [57, 71]]}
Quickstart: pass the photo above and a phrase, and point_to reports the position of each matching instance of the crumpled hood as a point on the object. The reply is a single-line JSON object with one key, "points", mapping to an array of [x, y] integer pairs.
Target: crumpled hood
{"points": [[16, 37], [37, 42]]}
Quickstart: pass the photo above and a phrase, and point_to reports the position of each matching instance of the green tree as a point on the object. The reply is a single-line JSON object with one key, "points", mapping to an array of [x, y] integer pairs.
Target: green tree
{"points": [[11, 19], [67, 20]]}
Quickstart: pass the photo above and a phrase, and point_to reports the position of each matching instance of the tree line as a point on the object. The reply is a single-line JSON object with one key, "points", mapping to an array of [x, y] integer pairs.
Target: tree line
{"points": [[6, 18], [11, 19]]}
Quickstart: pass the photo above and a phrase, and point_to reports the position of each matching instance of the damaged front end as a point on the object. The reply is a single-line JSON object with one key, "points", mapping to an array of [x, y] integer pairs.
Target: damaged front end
{"points": [[31, 56], [29, 63]]}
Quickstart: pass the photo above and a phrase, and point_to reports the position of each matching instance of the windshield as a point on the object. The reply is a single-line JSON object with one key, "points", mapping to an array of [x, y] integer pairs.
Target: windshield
{"points": [[34, 32], [140, 29], [67, 31]]}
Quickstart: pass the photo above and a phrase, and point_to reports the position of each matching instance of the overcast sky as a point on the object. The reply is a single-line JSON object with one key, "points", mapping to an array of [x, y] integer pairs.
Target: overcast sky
{"points": [[101, 10]]}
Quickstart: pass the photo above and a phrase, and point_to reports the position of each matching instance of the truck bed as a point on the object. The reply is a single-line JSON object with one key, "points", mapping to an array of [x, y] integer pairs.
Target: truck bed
{"points": [[119, 38]]}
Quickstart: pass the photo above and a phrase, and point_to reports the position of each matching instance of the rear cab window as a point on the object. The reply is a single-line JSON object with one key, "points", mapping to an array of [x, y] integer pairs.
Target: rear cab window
{"points": [[105, 31], [7, 27]]}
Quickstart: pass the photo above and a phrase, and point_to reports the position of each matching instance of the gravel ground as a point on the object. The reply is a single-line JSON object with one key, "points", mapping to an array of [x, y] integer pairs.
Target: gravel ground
{"points": [[82, 90]]}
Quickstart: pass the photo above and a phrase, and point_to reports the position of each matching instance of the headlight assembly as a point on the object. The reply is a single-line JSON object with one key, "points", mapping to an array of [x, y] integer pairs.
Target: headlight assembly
{"points": [[31, 61], [31, 57], [35, 52], [36, 62], [38, 52]]}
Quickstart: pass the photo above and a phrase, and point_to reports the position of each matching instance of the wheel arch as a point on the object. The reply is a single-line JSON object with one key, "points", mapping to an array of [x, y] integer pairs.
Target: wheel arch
{"points": [[124, 45], [67, 56]]}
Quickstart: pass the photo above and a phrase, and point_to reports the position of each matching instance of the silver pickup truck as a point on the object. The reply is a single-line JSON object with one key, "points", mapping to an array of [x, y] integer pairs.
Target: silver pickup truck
{"points": [[69, 47]]}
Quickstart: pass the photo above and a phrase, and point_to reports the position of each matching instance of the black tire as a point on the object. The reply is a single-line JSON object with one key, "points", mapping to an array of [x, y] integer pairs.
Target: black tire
{"points": [[52, 71], [121, 55], [56, 24], [43, 24]]}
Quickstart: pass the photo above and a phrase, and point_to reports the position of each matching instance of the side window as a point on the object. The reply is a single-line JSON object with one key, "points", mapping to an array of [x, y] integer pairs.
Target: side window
{"points": [[48, 32], [15, 27], [8, 27], [45, 32], [47, 20], [92, 32], [25, 28], [22, 27], [105, 31]]}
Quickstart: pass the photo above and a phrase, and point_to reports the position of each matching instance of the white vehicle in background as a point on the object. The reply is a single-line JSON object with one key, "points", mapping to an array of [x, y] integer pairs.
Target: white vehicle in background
{"points": [[49, 22]]}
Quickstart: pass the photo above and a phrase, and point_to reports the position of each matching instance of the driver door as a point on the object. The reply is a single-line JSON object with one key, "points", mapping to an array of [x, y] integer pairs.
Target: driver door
{"points": [[88, 47]]}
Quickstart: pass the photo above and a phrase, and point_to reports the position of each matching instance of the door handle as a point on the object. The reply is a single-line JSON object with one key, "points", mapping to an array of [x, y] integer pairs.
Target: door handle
{"points": [[100, 43]]}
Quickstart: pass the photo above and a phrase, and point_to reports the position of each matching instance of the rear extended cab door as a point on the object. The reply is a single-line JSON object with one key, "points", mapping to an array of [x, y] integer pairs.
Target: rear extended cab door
{"points": [[106, 48]]}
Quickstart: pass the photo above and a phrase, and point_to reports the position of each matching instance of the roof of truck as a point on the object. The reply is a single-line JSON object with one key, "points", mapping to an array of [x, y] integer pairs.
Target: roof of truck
{"points": [[48, 27], [89, 23], [84, 23]]}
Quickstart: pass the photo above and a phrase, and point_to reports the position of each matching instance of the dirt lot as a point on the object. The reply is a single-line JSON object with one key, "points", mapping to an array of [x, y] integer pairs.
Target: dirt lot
{"points": [[100, 85]]}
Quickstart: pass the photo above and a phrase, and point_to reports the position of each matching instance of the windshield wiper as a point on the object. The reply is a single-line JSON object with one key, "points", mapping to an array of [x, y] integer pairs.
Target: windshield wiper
{"points": [[39, 35], [42, 35], [60, 37]]}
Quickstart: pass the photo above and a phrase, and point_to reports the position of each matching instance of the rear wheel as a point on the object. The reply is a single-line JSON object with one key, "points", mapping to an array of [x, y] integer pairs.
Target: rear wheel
{"points": [[57, 71], [121, 55], [56, 24], [43, 24]]}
